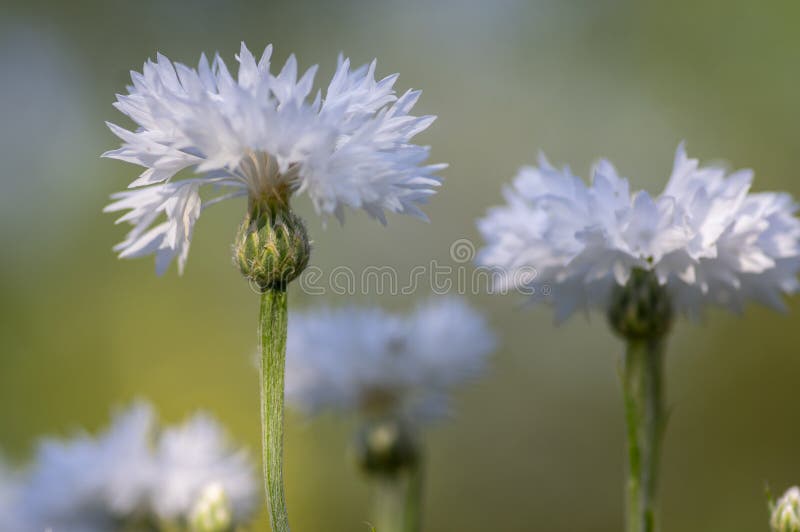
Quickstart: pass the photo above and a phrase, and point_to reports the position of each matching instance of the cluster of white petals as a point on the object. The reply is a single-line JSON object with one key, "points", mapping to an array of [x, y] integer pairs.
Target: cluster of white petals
{"points": [[194, 456], [247, 135], [706, 237], [354, 358], [130, 473]]}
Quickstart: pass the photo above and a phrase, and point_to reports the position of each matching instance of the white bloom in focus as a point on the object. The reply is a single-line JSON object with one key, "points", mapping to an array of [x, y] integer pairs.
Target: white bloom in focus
{"points": [[84, 484], [366, 358], [705, 237], [262, 135], [193, 456]]}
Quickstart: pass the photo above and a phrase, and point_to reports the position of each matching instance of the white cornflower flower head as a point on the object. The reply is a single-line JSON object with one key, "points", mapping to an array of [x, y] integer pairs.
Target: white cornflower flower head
{"points": [[262, 135], [706, 237], [193, 456], [125, 476], [370, 360], [85, 484]]}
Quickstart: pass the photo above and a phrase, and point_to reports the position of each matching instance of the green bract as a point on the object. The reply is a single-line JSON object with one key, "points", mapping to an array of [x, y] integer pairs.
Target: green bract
{"points": [[642, 309], [272, 247]]}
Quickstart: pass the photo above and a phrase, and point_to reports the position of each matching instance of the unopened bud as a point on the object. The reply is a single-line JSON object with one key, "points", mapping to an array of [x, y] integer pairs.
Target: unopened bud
{"points": [[272, 247], [786, 512], [642, 309], [212, 511]]}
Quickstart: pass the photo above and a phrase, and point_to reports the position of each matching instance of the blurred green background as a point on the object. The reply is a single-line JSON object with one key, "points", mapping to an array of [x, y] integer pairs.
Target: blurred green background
{"points": [[538, 444]]}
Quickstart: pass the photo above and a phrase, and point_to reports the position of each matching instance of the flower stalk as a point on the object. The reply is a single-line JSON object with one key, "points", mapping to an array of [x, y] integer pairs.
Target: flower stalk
{"points": [[389, 454], [273, 327], [641, 312], [388, 505], [413, 500], [645, 421], [397, 501], [271, 250]]}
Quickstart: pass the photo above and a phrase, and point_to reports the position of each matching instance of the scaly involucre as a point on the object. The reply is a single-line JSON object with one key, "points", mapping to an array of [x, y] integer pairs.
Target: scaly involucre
{"points": [[258, 132], [353, 358], [705, 237]]}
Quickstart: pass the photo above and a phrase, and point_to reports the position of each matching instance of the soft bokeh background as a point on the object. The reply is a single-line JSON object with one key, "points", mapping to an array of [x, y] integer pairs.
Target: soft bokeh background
{"points": [[538, 444]]}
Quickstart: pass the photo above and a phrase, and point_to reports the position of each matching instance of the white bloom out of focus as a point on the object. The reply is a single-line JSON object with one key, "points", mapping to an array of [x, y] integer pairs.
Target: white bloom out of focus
{"points": [[193, 456], [371, 360], [786, 512], [263, 136], [86, 483], [706, 237], [97, 484]]}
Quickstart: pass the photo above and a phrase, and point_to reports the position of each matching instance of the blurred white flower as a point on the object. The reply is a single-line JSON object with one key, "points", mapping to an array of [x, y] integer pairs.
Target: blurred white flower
{"points": [[97, 484], [369, 359], [261, 134], [706, 238], [193, 456], [86, 483]]}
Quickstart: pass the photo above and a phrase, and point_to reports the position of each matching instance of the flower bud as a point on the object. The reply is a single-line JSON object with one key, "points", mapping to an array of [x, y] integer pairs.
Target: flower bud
{"points": [[786, 512], [642, 309], [212, 511], [386, 446], [272, 247]]}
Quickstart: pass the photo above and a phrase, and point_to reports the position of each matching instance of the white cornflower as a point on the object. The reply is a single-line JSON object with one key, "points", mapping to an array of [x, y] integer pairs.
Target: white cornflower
{"points": [[705, 237], [263, 136], [127, 475], [190, 458], [85, 484], [369, 359]]}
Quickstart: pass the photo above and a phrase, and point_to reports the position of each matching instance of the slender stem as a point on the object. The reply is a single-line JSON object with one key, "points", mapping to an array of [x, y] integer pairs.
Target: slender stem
{"points": [[645, 419], [414, 494], [398, 501], [388, 503], [272, 330]]}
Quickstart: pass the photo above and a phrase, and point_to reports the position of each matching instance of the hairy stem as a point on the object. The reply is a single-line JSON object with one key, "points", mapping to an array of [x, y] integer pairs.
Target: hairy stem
{"points": [[272, 330], [645, 420]]}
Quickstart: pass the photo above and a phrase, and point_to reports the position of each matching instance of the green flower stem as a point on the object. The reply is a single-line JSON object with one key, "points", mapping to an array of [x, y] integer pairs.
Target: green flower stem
{"points": [[273, 327], [398, 501], [388, 502], [645, 419], [414, 494]]}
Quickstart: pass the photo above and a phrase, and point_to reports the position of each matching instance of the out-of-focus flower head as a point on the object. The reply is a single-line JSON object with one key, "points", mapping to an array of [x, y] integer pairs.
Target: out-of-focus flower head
{"points": [[128, 474], [706, 237], [372, 360]]}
